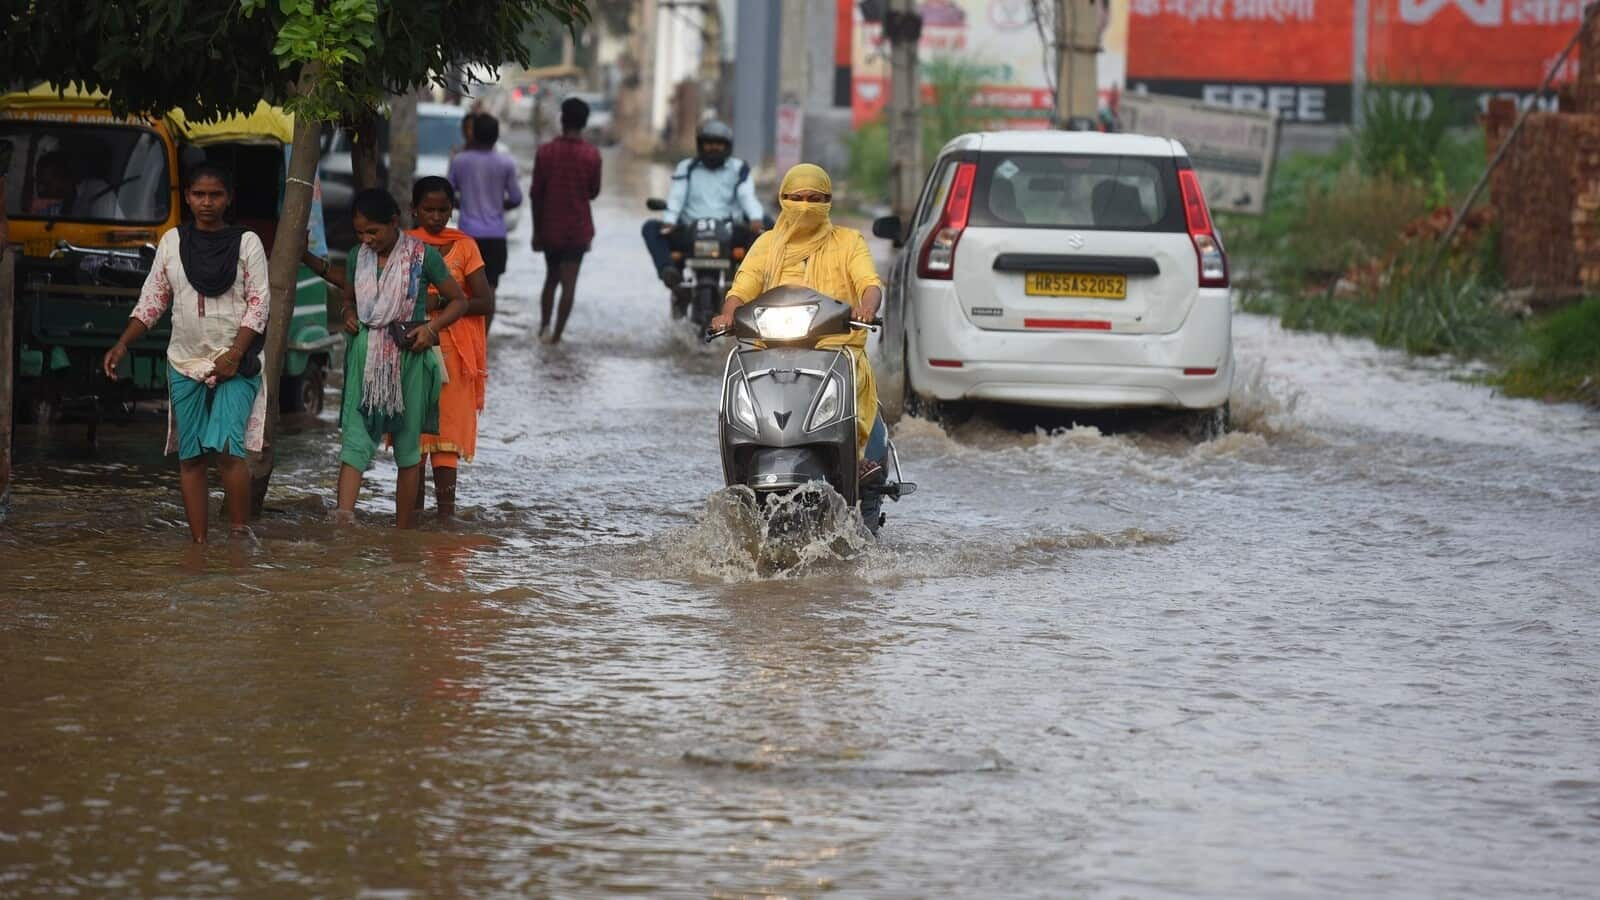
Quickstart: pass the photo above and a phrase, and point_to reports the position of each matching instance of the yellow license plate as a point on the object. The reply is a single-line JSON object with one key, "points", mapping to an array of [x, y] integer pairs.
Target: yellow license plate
{"points": [[38, 246], [1075, 284]]}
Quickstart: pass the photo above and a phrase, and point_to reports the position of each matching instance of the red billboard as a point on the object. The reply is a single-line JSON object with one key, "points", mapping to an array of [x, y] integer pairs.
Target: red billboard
{"points": [[1297, 56], [1486, 44]]}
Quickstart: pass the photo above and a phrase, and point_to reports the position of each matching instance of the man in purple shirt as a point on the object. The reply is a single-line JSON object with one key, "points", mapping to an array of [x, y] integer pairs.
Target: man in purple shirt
{"points": [[486, 186]]}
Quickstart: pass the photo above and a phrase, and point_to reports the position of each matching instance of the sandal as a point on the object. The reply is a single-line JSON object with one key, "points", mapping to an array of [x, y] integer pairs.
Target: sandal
{"points": [[869, 471]]}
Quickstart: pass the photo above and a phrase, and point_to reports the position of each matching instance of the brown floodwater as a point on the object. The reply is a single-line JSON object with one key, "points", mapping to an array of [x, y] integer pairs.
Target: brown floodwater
{"points": [[1349, 649]]}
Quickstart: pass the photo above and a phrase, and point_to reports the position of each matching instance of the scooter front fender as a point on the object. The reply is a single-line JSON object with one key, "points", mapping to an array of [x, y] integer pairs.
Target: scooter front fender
{"points": [[785, 468]]}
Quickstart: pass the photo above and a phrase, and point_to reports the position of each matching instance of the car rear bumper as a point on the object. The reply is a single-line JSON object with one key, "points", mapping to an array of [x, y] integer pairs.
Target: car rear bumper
{"points": [[1191, 368]]}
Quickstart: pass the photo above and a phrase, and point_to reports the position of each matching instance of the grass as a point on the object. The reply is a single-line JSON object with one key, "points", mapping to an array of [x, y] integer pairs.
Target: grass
{"points": [[1559, 358]]}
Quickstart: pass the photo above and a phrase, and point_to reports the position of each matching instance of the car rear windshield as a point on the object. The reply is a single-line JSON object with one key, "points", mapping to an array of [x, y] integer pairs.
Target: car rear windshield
{"points": [[1060, 190]]}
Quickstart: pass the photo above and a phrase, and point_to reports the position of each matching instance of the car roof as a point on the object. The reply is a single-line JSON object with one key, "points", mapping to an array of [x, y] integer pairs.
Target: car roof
{"points": [[1087, 142], [441, 110]]}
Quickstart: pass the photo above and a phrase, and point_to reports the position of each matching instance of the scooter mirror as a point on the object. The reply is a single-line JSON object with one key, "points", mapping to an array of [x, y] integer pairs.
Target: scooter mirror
{"points": [[656, 204]]}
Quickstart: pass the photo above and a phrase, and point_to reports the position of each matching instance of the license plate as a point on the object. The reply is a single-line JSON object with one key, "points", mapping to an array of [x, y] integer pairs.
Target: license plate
{"points": [[707, 248], [1076, 284], [703, 263], [38, 246]]}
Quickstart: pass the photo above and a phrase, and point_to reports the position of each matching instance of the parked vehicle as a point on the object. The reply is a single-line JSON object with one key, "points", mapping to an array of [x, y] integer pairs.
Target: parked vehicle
{"points": [[88, 244], [708, 267], [1061, 269], [788, 414], [438, 136]]}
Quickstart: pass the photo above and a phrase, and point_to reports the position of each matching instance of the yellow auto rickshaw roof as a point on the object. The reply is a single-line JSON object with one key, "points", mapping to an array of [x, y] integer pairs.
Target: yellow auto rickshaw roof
{"points": [[44, 95], [266, 122]]}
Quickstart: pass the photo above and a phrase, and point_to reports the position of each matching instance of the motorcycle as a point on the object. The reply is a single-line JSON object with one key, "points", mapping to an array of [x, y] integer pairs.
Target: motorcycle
{"points": [[707, 271], [788, 411]]}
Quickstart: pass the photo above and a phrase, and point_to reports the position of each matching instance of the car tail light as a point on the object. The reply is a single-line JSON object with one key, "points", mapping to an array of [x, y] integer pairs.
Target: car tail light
{"points": [[939, 254], [1207, 247]]}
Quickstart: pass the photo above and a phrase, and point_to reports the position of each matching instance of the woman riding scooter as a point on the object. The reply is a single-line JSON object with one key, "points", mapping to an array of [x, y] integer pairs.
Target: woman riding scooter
{"points": [[806, 248]]}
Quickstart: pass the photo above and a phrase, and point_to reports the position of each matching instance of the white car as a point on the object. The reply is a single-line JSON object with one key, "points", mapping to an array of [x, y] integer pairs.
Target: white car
{"points": [[1074, 270], [438, 132]]}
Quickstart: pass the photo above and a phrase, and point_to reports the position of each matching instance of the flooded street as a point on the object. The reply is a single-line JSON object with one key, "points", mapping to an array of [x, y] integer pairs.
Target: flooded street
{"points": [[1349, 649]]}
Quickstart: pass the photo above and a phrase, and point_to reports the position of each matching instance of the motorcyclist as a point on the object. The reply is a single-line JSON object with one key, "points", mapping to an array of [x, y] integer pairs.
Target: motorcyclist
{"points": [[713, 184]]}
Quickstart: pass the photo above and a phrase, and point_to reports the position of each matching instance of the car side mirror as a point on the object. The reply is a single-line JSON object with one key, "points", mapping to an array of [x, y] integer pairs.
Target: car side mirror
{"points": [[656, 204], [888, 228]]}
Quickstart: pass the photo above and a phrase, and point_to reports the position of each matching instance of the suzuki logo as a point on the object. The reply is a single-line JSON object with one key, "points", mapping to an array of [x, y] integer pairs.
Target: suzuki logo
{"points": [[1483, 13], [1075, 240], [782, 418]]}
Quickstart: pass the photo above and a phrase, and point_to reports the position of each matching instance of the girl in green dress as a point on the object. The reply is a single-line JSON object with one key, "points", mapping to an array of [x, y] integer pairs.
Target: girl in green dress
{"points": [[392, 375]]}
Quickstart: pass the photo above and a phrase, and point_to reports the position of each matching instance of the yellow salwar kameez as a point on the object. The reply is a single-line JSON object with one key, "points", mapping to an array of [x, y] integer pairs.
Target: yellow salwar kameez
{"points": [[806, 248]]}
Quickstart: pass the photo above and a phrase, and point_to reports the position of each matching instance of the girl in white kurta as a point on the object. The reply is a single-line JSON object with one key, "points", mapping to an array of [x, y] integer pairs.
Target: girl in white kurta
{"points": [[214, 279]]}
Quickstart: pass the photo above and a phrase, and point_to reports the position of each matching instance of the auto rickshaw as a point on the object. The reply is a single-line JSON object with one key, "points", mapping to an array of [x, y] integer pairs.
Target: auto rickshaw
{"points": [[88, 195]]}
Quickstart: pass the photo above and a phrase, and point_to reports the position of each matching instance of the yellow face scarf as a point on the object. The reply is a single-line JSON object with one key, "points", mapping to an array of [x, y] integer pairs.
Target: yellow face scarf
{"points": [[803, 227]]}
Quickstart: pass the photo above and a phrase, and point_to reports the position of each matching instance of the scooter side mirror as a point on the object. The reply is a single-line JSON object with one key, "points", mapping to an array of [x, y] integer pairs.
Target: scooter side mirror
{"points": [[889, 228], [656, 204]]}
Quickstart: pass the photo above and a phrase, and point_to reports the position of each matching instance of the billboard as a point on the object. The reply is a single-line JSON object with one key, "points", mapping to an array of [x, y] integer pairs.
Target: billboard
{"points": [[1231, 149], [1297, 57], [998, 37], [1487, 45]]}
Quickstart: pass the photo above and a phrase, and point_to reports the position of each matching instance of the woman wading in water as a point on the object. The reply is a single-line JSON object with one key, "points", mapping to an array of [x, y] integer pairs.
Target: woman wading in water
{"points": [[465, 344], [214, 278], [392, 374]]}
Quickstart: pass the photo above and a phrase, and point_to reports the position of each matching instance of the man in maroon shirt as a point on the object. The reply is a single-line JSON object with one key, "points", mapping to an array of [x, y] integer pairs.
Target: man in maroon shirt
{"points": [[566, 176]]}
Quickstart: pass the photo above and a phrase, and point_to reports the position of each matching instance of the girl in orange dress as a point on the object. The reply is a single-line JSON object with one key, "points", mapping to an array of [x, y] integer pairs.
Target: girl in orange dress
{"points": [[464, 344]]}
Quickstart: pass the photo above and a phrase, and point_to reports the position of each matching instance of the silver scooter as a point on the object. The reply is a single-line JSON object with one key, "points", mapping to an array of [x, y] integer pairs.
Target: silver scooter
{"points": [[788, 412]]}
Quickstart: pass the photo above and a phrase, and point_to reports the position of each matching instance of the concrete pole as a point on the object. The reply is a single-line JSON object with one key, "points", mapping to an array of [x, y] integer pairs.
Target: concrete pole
{"points": [[902, 25], [1358, 64], [755, 80], [642, 137], [1077, 48]]}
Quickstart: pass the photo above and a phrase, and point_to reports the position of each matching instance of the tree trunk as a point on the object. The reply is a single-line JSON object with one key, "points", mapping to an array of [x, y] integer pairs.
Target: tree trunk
{"points": [[364, 151], [283, 270], [402, 148]]}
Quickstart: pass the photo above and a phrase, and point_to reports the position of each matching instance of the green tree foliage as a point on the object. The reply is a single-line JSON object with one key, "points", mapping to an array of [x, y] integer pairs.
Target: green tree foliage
{"points": [[211, 58]]}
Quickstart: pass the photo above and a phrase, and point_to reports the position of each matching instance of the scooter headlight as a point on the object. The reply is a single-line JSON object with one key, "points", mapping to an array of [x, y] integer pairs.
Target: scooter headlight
{"points": [[744, 407], [784, 323], [827, 410]]}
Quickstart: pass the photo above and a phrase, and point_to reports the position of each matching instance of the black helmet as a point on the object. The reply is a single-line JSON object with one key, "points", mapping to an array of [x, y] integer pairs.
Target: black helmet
{"points": [[709, 132], [714, 130]]}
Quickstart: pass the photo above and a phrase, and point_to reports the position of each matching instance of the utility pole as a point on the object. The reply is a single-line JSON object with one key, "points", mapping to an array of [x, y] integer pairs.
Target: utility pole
{"points": [[902, 25], [1358, 65], [1077, 47]]}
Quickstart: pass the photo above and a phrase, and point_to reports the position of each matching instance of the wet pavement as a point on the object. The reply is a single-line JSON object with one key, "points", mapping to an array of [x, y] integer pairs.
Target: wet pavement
{"points": [[1348, 649]]}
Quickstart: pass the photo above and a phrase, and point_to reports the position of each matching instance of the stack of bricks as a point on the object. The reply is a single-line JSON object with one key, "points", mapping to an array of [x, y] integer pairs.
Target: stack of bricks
{"points": [[1547, 190]]}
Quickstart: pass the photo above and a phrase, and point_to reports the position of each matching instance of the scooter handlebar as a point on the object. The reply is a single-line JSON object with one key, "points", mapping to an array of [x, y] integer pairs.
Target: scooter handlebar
{"points": [[872, 324], [712, 334]]}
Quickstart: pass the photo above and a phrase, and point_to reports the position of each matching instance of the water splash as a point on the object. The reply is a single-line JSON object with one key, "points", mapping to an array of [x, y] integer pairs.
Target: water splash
{"points": [[739, 537], [1262, 406]]}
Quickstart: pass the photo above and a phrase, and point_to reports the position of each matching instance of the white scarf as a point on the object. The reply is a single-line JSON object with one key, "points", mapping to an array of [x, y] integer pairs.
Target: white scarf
{"points": [[381, 300]]}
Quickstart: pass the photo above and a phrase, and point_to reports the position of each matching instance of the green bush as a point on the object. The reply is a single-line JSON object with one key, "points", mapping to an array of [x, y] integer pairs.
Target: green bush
{"points": [[952, 113], [1403, 133], [869, 163], [1561, 358]]}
